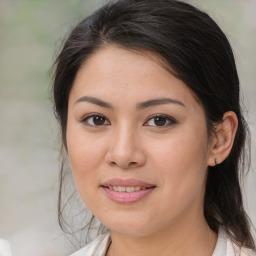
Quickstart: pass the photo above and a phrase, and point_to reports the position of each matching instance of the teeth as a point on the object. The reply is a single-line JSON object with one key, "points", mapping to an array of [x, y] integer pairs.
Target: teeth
{"points": [[126, 189], [130, 189], [121, 189]]}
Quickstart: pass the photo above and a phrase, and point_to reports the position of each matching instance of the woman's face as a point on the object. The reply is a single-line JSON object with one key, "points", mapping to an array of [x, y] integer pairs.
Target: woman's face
{"points": [[137, 143]]}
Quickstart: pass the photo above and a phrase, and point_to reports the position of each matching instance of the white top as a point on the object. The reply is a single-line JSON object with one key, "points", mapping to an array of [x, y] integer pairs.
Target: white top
{"points": [[224, 247], [4, 248]]}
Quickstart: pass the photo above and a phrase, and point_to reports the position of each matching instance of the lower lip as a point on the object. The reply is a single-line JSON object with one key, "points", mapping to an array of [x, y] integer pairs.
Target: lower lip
{"points": [[127, 197]]}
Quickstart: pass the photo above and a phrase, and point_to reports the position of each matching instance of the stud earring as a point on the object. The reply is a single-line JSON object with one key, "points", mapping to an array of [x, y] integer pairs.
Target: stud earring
{"points": [[216, 161]]}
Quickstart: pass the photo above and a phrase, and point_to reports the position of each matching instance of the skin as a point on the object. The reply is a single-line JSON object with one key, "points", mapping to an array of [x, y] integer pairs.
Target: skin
{"points": [[130, 143]]}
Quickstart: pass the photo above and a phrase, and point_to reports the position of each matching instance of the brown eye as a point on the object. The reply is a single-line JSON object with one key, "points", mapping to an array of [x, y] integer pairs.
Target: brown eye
{"points": [[160, 121], [98, 120], [95, 120]]}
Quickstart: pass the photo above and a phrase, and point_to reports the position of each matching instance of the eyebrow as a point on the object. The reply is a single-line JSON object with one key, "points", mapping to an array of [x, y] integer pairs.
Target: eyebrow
{"points": [[94, 101], [140, 106], [160, 101]]}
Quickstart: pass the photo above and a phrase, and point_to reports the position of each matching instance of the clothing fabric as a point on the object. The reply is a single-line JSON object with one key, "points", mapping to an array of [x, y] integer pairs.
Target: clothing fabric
{"points": [[224, 247], [97, 247], [5, 248]]}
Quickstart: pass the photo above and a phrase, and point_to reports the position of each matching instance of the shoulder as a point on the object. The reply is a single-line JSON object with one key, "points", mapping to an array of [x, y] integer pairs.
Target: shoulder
{"points": [[4, 248], [97, 247], [226, 247], [234, 250]]}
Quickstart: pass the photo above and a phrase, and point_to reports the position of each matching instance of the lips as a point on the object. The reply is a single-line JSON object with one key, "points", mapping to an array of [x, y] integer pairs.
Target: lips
{"points": [[127, 191]]}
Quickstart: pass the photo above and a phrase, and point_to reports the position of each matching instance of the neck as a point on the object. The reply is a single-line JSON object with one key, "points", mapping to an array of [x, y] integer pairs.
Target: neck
{"points": [[193, 238]]}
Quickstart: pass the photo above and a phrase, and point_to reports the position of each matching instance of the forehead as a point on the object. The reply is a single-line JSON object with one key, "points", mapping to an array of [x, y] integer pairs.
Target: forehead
{"points": [[114, 71]]}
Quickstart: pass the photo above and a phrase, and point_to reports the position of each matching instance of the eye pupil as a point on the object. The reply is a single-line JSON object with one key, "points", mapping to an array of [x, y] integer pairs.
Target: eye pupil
{"points": [[160, 121], [98, 120]]}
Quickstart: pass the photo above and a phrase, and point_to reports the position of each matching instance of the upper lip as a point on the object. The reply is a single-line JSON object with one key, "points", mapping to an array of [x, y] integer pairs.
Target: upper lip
{"points": [[127, 183]]}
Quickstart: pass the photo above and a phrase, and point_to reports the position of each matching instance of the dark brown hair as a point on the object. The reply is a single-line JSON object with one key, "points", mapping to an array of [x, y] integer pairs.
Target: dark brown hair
{"points": [[200, 55]]}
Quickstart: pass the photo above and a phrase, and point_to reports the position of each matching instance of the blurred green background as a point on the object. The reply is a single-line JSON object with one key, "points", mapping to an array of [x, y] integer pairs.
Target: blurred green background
{"points": [[30, 34]]}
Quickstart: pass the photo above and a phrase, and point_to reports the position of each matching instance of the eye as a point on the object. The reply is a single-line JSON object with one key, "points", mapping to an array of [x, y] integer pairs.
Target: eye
{"points": [[95, 120], [160, 121]]}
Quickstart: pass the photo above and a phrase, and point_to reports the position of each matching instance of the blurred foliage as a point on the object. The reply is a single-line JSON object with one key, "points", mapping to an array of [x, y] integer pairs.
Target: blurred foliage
{"points": [[29, 31]]}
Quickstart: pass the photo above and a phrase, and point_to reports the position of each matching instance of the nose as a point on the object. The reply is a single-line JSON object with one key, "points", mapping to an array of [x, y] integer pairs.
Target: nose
{"points": [[125, 150]]}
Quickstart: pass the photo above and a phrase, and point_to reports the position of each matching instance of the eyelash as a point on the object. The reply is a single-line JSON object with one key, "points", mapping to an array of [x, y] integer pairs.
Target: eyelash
{"points": [[87, 118], [165, 119]]}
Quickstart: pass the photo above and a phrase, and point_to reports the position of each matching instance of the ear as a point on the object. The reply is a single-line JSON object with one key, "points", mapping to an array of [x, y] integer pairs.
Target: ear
{"points": [[223, 139]]}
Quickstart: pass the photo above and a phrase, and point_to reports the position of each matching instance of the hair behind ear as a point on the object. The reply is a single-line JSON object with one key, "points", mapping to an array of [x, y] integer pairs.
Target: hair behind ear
{"points": [[223, 198], [223, 138]]}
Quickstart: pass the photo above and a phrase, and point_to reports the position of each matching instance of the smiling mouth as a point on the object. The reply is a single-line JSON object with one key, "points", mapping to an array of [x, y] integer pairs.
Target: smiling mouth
{"points": [[127, 193], [126, 188]]}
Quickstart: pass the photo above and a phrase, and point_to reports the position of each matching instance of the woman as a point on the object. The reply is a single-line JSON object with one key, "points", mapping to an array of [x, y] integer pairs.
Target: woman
{"points": [[147, 96]]}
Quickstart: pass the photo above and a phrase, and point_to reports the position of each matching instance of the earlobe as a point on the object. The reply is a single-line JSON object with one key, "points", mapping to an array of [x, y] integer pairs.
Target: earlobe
{"points": [[223, 138]]}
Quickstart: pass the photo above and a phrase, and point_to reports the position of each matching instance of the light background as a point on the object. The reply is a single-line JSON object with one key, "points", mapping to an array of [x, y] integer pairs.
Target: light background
{"points": [[29, 36]]}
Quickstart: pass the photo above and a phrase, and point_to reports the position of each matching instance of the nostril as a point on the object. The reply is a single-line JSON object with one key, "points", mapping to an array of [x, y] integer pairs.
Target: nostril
{"points": [[129, 165], [132, 163]]}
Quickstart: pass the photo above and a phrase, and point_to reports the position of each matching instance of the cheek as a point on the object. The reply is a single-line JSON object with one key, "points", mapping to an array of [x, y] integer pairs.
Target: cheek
{"points": [[84, 161], [181, 162], [180, 150], [85, 155]]}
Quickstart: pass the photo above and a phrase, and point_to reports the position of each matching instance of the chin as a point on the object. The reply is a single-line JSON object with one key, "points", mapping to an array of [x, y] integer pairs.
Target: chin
{"points": [[130, 227]]}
